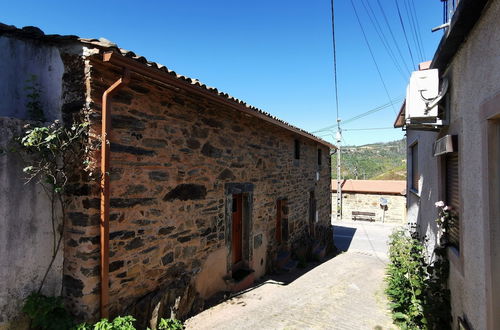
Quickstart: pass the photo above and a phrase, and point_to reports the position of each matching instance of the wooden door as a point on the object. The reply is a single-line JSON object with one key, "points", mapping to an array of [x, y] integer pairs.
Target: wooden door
{"points": [[237, 228]]}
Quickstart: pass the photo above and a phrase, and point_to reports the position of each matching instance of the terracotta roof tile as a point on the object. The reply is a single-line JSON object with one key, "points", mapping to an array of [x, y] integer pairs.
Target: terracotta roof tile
{"points": [[31, 32], [392, 187]]}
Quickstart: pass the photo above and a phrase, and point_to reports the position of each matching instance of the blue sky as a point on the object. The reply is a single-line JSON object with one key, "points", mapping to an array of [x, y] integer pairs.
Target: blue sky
{"points": [[273, 54]]}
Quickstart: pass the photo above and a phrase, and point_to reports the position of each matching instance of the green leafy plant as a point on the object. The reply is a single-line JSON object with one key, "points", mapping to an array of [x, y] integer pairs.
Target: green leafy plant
{"points": [[405, 281], [118, 323], [47, 312], [53, 150], [52, 153], [417, 290], [170, 324]]}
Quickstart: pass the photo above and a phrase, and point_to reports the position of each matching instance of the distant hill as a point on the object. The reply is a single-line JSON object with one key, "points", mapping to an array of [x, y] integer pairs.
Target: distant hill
{"points": [[377, 161]]}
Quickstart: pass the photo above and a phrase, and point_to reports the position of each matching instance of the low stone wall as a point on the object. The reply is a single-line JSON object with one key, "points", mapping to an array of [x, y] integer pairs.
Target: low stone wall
{"points": [[395, 211], [26, 234]]}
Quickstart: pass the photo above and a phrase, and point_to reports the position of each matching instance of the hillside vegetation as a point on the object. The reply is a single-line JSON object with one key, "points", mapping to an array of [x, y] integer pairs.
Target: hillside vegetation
{"points": [[377, 161]]}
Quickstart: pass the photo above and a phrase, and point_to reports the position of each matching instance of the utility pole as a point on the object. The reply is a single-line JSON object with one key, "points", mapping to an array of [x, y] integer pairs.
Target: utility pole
{"points": [[339, 188]]}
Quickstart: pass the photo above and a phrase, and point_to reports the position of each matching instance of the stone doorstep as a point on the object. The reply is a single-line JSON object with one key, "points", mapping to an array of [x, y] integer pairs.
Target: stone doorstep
{"points": [[236, 285]]}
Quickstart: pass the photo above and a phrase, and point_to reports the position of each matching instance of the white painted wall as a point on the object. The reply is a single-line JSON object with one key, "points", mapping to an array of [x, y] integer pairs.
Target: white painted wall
{"points": [[475, 79], [26, 235], [19, 60], [420, 205]]}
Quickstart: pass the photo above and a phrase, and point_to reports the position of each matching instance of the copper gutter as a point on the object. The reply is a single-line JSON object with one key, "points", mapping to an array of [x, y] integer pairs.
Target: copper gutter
{"points": [[172, 80], [104, 223]]}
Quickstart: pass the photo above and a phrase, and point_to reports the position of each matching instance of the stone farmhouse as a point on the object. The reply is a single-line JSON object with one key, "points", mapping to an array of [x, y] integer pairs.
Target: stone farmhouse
{"points": [[454, 157], [197, 192], [372, 200]]}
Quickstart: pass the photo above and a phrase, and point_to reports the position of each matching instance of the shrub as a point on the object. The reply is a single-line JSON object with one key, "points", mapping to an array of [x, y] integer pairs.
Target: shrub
{"points": [[118, 323], [47, 312], [417, 290], [127, 323], [170, 324]]}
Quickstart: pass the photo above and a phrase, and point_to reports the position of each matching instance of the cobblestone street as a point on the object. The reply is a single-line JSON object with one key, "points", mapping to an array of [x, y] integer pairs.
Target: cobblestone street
{"points": [[345, 292]]}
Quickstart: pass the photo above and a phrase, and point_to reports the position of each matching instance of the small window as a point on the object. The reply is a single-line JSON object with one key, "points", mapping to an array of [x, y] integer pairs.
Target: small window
{"points": [[297, 149], [415, 175], [320, 156]]}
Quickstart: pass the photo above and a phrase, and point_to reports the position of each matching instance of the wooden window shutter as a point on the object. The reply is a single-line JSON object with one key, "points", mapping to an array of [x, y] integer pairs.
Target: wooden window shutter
{"points": [[453, 197]]}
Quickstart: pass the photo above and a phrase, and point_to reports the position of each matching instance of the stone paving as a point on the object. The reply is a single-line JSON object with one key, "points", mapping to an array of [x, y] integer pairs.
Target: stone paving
{"points": [[345, 292]]}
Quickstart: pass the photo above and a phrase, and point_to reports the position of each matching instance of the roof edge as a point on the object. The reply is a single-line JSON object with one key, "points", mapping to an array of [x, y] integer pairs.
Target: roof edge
{"points": [[463, 21], [156, 74]]}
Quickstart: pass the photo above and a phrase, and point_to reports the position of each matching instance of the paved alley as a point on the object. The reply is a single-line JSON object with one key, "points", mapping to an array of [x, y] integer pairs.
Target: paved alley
{"points": [[345, 292]]}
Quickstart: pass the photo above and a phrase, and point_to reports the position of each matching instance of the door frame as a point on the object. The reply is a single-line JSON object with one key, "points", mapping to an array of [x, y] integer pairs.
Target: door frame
{"points": [[246, 190], [490, 136]]}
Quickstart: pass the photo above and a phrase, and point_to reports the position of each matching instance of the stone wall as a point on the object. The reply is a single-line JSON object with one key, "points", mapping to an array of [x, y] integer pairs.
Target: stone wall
{"points": [[173, 157], [395, 211]]}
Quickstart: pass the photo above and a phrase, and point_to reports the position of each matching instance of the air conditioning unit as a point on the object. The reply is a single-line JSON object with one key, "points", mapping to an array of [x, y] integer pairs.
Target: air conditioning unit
{"points": [[423, 87], [422, 98]]}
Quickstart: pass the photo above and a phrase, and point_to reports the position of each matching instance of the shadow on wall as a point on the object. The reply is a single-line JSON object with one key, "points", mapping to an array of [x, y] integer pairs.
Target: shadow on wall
{"points": [[342, 237]]}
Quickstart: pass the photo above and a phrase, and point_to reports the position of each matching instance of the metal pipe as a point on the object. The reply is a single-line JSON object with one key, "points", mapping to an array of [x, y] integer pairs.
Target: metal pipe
{"points": [[104, 222]]}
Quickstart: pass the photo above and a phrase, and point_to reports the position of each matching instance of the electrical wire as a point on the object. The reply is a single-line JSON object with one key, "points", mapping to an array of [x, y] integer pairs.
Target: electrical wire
{"points": [[378, 29], [364, 114], [334, 59], [373, 56], [418, 28], [367, 129], [389, 27], [404, 33], [387, 105], [413, 29]]}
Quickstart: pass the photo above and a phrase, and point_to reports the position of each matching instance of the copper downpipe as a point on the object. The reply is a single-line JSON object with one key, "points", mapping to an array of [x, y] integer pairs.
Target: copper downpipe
{"points": [[104, 221]]}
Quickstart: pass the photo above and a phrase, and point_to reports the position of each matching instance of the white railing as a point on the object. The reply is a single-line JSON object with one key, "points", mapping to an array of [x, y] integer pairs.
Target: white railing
{"points": [[449, 9]]}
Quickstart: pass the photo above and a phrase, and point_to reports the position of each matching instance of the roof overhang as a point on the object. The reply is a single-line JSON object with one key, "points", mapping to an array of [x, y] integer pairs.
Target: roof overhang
{"points": [[400, 119], [153, 73], [465, 17]]}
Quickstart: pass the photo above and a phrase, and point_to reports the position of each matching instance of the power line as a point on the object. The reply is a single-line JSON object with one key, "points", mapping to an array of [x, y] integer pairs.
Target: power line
{"points": [[378, 29], [413, 29], [393, 37], [334, 59], [418, 27], [387, 105], [404, 32], [371, 53], [367, 129], [361, 115]]}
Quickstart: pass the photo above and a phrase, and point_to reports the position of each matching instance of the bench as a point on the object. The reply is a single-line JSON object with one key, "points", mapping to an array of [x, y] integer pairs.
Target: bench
{"points": [[358, 215]]}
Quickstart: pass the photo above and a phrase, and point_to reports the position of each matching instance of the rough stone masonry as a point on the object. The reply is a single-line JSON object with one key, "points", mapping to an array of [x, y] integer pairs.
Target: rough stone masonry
{"points": [[177, 159], [173, 157]]}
